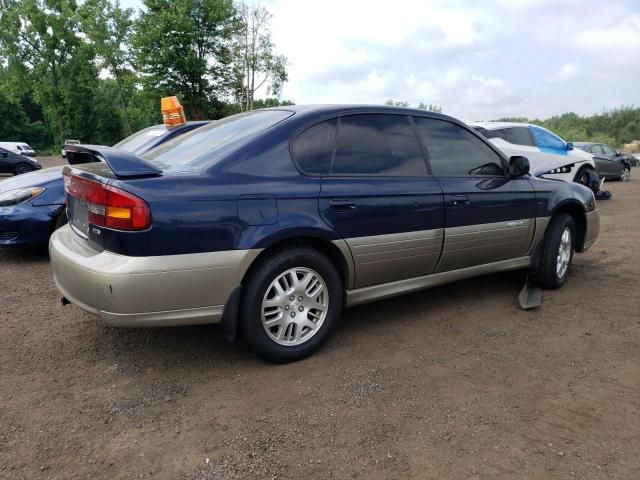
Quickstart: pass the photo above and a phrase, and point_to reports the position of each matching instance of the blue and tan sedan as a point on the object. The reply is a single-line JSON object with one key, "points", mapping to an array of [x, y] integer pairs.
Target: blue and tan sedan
{"points": [[271, 221]]}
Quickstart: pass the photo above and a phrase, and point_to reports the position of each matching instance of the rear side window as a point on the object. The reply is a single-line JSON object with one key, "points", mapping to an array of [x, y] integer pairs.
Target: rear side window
{"points": [[139, 140], [456, 152], [546, 139], [206, 144], [378, 144], [515, 135], [314, 148]]}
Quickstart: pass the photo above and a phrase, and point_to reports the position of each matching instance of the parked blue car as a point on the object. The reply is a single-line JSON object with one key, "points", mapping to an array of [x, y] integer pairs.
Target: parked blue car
{"points": [[32, 204], [271, 221]]}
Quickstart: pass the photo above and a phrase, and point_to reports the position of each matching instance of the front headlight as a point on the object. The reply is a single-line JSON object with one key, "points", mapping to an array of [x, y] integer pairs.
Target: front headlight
{"points": [[14, 197], [565, 169]]}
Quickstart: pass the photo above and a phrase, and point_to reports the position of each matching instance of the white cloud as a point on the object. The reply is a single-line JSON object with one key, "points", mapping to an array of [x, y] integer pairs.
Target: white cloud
{"points": [[567, 72], [478, 60]]}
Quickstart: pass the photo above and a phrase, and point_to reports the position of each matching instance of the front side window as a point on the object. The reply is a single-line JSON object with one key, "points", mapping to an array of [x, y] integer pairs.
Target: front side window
{"points": [[515, 135], [546, 139], [596, 150], [608, 150], [456, 152], [378, 144], [314, 148]]}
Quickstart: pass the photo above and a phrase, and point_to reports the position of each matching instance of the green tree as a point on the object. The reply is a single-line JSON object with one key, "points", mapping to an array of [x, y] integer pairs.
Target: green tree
{"points": [[183, 47], [256, 63], [270, 102], [43, 35], [109, 28]]}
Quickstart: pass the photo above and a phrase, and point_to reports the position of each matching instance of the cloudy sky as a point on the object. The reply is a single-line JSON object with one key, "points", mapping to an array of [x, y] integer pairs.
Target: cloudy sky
{"points": [[478, 60]]}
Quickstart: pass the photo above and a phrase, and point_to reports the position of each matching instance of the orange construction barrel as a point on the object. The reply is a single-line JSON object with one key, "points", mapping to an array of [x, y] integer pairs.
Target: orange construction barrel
{"points": [[172, 111]]}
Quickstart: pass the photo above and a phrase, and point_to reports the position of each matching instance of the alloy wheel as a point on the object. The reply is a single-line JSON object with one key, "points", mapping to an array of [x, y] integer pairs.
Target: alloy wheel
{"points": [[564, 253], [295, 306]]}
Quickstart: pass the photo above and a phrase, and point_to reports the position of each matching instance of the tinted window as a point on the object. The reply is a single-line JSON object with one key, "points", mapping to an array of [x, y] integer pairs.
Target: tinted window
{"points": [[206, 144], [546, 139], [456, 152], [608, 150], [138, 141], [597, 150], [378, 145], [515, 135], [314, 148]]}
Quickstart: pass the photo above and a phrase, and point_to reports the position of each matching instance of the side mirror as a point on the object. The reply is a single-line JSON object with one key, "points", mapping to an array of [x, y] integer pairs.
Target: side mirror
{"points": [[518, 166], [569, 146]]}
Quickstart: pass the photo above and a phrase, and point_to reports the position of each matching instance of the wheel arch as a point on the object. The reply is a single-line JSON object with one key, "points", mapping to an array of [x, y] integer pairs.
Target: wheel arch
{"points": [[578, 214], [336, 251]]}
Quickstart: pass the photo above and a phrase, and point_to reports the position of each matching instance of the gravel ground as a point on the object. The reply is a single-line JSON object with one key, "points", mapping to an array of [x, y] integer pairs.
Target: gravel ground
{"points": [[455, 382]]}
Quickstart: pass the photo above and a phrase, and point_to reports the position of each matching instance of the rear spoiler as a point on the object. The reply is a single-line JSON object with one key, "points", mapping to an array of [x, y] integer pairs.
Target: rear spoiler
{"points": [[124, 164]]}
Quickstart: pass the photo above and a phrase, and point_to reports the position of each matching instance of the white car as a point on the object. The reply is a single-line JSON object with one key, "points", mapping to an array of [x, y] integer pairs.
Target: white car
{"points": [[20, 148], [69, 142], [549, 155]]}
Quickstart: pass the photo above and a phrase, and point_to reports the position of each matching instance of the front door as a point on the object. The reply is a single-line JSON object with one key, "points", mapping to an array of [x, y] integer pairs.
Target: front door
{"points": [[489, 216], [381, 199]]}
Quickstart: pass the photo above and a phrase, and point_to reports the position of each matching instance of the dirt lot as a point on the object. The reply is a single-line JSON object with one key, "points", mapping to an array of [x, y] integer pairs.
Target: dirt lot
{"points": [[455, 382]]}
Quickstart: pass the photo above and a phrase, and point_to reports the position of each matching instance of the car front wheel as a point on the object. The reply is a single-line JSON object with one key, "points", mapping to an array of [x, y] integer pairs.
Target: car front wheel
{"points": [[22, 168], [291, 303], [589, 178], [626, 173], [557, 252]]}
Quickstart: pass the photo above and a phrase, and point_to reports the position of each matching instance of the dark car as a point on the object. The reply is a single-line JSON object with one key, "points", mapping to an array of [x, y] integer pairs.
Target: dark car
{"points": [[610, 164], [16, 164], [32, 205], [271, 221]]}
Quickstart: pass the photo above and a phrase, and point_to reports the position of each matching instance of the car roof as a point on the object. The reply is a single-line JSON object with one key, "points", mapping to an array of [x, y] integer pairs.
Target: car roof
{"points": [[500, 125], [585, 144], [338, 109]]}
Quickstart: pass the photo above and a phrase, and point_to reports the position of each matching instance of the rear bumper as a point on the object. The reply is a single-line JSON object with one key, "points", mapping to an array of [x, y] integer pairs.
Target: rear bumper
{"points": [[146, 291], [26, 224], [592, 230]]}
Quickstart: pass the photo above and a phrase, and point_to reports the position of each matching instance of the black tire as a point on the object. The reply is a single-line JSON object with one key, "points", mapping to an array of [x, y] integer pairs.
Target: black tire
{"points": [[256, 287], [626, 173], [547, 274], [588, 177], [22, 168]]}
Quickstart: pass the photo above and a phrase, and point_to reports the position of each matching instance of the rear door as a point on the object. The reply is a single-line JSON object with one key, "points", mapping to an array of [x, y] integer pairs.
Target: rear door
{"points": [[379, 196], [489, 217]]}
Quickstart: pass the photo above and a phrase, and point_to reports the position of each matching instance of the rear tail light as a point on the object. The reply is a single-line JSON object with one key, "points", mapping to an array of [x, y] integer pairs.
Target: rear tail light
{"points": [[109, 206]]}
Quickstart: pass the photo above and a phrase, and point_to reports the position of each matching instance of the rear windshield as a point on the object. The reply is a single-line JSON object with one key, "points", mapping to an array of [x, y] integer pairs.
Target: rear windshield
{"points": [[138, 141], [204, 144]]}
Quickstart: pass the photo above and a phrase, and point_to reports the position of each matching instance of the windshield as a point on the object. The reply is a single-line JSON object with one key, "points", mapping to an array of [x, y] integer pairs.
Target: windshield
{"points": [[139, 140], [203, 144]]}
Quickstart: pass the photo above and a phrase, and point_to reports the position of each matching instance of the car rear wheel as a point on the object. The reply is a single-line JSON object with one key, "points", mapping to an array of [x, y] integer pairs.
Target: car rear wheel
{"points": [[557, 252], [22, 168], [626, 173], [291, 303]]}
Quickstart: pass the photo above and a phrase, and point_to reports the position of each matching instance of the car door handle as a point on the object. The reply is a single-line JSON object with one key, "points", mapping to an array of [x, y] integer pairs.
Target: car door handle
{"points": [[459, 200], [342, 205]]}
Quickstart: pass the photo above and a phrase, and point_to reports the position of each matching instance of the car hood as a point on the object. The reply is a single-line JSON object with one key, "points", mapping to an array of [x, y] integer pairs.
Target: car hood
{"points": [[39, 178], [540, 165]]}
